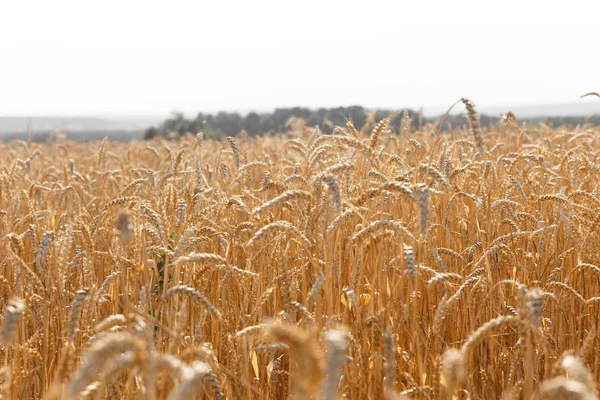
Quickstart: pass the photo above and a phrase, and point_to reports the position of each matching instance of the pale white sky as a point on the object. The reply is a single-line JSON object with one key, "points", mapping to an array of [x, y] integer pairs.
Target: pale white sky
{"points": [[143, 57]]}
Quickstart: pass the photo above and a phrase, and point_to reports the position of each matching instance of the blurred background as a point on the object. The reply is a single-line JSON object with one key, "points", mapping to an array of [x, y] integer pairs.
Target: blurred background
{"points": [[133, 69]]}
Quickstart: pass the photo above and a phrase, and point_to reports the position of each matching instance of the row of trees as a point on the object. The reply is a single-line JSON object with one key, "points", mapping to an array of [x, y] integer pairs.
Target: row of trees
{"points": [[225, 124], [228, 123]]}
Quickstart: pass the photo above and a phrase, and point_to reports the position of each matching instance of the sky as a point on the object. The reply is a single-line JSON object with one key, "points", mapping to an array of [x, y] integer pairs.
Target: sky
{"points": [[144, 57]]}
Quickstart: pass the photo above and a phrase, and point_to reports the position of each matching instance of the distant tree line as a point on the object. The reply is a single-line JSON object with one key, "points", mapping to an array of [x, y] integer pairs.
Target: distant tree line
{"points": [[225, 124]]}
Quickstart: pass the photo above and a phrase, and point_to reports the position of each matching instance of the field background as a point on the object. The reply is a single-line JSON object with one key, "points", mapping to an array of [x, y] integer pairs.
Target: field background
{"points": [[379, 261]]}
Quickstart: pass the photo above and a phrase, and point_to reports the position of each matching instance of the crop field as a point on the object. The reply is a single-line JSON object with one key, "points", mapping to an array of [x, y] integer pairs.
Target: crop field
{"points": [[378, 262]]}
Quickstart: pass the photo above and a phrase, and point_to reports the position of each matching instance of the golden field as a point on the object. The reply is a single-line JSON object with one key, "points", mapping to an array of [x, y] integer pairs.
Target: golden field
{"points": [[378, 262]]}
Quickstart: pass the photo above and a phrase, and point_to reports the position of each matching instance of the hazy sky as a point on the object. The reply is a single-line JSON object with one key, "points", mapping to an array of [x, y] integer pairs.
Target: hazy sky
{"points": [[142, 57]]}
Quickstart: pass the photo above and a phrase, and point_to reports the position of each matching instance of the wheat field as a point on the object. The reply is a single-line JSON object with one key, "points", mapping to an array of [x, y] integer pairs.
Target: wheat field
{"points": [[379, 262]]}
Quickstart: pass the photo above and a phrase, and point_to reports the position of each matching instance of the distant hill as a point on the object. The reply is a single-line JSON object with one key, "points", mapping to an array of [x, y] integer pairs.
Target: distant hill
{"points": [[580, 108], [18, 124], [79, 128], [575, 109]]}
